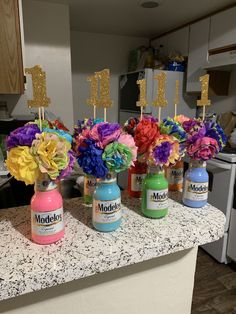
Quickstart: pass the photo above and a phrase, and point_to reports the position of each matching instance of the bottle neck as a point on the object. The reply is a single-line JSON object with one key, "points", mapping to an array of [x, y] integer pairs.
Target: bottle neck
{"points": [[156, 170], [197, 164], [44, 184], [109, 179]]}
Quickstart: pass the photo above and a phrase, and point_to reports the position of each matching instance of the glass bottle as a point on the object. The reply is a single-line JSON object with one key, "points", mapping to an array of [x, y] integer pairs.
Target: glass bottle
{"points": [[136, 175], [47, 220], [155, 193], [106, 214], [174, 175], [90, 183], [195, 190]]}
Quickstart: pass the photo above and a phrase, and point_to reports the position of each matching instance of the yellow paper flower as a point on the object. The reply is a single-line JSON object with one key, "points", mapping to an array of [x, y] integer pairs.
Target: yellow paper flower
{"points": [[51, 153], [22, 165]]}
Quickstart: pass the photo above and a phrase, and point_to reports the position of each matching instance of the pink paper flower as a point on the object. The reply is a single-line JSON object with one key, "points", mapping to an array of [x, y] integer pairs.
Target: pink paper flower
{"points": [[128, 140], [203, 148], [104, 133]]}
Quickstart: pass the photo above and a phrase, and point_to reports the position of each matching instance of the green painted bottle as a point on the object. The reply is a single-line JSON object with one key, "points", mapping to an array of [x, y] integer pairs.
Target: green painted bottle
{"points": [[155, 193]]}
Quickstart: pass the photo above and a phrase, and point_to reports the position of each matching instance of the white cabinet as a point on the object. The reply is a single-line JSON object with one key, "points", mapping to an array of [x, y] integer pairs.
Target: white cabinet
{"points": [[223, 29], [176, 41], [198, 52]]}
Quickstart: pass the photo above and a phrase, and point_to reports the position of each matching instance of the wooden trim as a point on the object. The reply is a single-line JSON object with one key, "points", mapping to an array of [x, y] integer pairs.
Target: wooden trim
{"points": [[222, 49], [19, 46], [229, 6]]}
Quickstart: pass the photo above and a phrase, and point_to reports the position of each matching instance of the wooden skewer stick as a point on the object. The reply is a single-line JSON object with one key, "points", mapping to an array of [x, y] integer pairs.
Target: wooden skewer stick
{"points": [[203, 113], [40, 119], [159, 114], [141, 114], [105, 114], [43, 113], [94, 111]]}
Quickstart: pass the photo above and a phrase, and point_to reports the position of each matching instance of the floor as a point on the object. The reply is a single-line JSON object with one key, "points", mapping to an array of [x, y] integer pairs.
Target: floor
{"points": [[215, 287]]}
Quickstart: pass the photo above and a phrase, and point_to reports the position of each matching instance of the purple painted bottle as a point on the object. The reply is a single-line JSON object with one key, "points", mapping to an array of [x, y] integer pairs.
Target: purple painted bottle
{"points": [[195, 192]]}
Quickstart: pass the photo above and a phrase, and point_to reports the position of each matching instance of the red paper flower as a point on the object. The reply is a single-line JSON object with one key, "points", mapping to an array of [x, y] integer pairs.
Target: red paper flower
{"points": [[146, 132]]}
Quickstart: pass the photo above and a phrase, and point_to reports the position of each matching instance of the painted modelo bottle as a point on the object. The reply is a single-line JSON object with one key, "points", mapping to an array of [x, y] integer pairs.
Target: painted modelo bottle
{"points": [[47, 220], [195, 191], [136, 175], [107, 214], [90, 183], [155, 193], [174, 175]]}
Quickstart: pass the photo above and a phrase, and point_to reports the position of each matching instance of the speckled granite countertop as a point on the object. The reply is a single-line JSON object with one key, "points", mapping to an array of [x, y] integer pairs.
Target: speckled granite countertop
{"points": [[27, 267]]}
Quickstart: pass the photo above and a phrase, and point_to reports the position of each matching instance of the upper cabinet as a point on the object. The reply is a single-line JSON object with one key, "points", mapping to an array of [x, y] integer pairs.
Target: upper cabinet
{"points": [[11, 66], [198, 52], [175, 41], [223, 29]]}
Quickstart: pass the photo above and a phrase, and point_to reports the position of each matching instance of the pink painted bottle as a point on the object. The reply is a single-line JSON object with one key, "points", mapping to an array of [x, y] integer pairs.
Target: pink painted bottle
{"points": [[47, 220]]}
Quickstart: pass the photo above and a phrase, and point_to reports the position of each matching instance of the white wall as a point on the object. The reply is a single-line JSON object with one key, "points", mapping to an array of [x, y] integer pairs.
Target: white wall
{"points": [[47, 42], [93, 52]]}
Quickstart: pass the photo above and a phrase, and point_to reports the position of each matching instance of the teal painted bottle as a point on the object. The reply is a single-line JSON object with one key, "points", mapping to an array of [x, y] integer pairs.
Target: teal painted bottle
{"points": [[90, 183], [107, 214], [195, 192], [155, 193]]}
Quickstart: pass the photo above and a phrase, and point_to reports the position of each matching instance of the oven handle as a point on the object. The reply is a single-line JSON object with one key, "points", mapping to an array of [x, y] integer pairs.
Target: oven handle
{"points": [[220, 164]]}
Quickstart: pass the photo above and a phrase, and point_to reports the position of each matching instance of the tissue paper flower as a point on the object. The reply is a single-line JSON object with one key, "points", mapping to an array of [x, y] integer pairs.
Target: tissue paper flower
{"points": [[118, 157], [195, 129], [68, 170], [51, 153], [90, 159], [181, 118], [128, 140], [146, 131], [203, 148], [104, 133], [61, 133], [213, 130], [171, 127], [164, 151], [22, 165], [22, 136], [130, 125]]}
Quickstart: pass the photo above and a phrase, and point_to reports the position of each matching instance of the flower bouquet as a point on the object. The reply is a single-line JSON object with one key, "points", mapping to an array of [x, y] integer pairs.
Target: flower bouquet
{"points": [[205, 139], [103, 151], [144, 131], [165, 150], [42, 157], [174, 173]]}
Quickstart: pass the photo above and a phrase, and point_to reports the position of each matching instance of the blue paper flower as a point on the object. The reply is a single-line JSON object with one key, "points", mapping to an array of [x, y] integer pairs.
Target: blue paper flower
{"points": [[61, 133], [90, 159]]}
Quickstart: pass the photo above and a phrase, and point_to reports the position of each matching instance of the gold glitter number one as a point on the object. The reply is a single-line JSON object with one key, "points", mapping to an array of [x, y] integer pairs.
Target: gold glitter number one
{"points": [[161, 100], [40, 99], [142, 95], [204, 101], [103, 99]]}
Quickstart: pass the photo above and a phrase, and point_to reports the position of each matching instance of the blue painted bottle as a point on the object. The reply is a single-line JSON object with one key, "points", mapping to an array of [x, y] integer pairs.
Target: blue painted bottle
{"points": [[107, 214], [195, 192]]}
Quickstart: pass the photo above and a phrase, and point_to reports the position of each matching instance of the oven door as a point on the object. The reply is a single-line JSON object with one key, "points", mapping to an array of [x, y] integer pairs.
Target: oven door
{"points": [[221, 186]]}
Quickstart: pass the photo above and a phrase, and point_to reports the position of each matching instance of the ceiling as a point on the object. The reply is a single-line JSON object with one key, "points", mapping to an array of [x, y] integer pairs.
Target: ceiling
{"points": [[126, 17]]}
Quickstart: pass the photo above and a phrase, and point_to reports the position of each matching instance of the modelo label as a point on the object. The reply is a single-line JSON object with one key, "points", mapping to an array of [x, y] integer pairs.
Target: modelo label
{"points": [[136, 182], [175, 176], [196, 191], [157, 200], [106, 211], [47, 223], [89, 186]]}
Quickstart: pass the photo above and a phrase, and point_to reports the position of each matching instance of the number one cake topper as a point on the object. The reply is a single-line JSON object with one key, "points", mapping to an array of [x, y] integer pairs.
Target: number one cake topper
{"points": [[204, 101], [142, 96], [161, 100], [103, 99], [93, 100], [40, 99], [176, 100]]}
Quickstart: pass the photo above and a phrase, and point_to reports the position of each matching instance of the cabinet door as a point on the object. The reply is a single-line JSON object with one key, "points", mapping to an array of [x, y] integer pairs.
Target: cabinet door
{"points": [[198, 52], [11, 68], [178, 41], [223, 29]]}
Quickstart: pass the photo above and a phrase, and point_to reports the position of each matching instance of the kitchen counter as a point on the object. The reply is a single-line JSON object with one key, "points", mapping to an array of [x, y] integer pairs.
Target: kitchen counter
{"points": [[26, 267]]}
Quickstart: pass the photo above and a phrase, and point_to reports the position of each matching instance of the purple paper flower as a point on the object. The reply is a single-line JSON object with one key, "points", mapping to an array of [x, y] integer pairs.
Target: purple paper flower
{"points": [[213, 130], [161, 153], [195, 129], [104, 133], [22, 136], [66, 172]]}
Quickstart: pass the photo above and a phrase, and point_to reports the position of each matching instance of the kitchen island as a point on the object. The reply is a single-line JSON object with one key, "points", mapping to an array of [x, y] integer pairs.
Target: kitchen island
{"points": [[146, 266]]}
